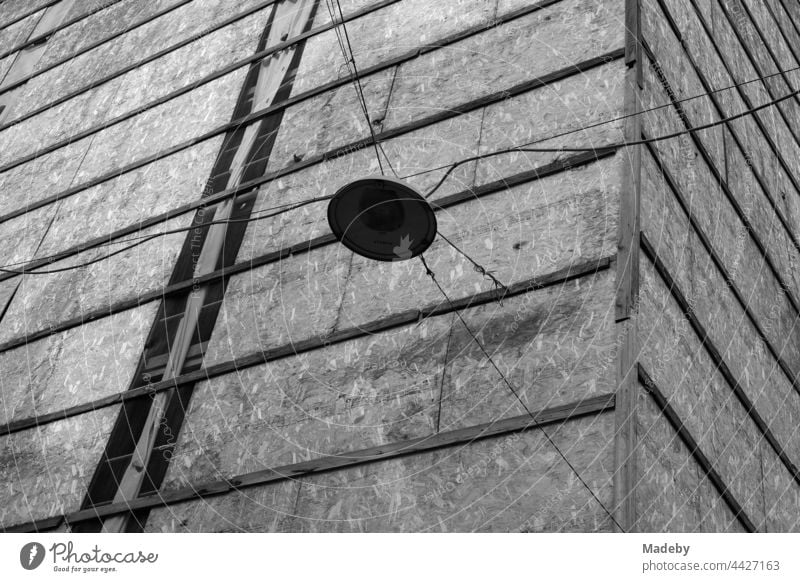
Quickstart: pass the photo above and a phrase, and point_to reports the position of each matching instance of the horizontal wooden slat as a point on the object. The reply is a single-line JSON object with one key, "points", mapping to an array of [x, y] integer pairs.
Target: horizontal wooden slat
{"points": [[342, 150], [538, 419], [291, 349]]}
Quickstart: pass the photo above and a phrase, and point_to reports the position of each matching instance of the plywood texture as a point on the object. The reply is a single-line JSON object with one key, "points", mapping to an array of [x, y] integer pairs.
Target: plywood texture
{"points": [[20, 237], [555, 346], [323, 15], [682, 369], [182, 67], [770, 57], [729, 236], [510, 484], [280, 303], [713, 68], [724, 319], [45, 470], [134, 196], [438, 145], [578, 101], [135, 89], [162, 127], [794, 11], [526, 231], [5, 65], [374, 390], [759, 158], [504, 56], [743, 70], [46, 300], [7, 290], [680, 75], [787, 27], [782, 496], [73, 367], [83, 8], [41, 177], [97, 27], [673, 494], [14, 9], [258, 509], [388, 32], [17, 33], [332, 119], [179, 24], [775, 237], [58, 123]]}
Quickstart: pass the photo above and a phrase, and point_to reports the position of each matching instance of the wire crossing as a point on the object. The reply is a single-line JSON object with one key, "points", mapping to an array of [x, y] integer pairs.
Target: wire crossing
{"points": [[451, 167]]}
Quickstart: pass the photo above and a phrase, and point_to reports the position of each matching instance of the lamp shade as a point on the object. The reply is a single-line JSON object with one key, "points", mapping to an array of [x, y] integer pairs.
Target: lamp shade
{"points": [[382, 218]]}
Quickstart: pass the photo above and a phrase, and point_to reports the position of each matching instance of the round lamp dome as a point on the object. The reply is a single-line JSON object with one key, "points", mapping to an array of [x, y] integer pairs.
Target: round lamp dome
{"points": [[382, 218]]}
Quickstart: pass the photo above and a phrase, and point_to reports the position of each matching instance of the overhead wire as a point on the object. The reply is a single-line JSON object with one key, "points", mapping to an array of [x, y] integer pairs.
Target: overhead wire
{"points": [[515, 392], [613, 145], [626, 116], [477, 267], [281, 209], [142, 239], [450, 168], [356, 78]]}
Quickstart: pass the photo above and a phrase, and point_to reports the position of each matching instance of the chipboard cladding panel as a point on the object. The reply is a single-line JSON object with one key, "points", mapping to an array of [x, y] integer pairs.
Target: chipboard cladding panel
{"points": [[602, 337]]}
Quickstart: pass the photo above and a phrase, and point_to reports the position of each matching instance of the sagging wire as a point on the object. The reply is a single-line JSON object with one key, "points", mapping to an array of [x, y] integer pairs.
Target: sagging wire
{"points": [[451, 167], [605, 147], [346, 47]]}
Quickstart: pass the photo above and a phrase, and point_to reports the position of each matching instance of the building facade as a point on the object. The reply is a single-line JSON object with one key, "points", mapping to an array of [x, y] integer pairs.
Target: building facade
{"points": [[603, 338]]}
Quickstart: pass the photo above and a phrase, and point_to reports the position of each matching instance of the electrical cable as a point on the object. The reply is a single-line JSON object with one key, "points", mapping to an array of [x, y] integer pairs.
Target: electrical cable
{"points": [[478, 268], [451, 167], [431, 274], [600, 148], [626, 116], [146, 238], [356, 77]]}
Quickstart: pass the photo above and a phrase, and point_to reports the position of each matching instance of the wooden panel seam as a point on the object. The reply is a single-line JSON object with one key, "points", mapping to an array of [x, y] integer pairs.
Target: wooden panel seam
{"points": [[243, 62], [40, 37], [750, 54], [780, 27], [544, 80], [707, 87], [302, 247], [345, 149], [794, 23], [461, 35], [94, 45], [790, 375], [26, 15], [408, 317], [716, 357], [444, 115], [694, 449], [709, 162]]}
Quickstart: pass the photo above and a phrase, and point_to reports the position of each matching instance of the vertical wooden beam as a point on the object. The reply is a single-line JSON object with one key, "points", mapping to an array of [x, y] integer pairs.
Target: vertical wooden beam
{"points": [[628, 281], [625, 425]]}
